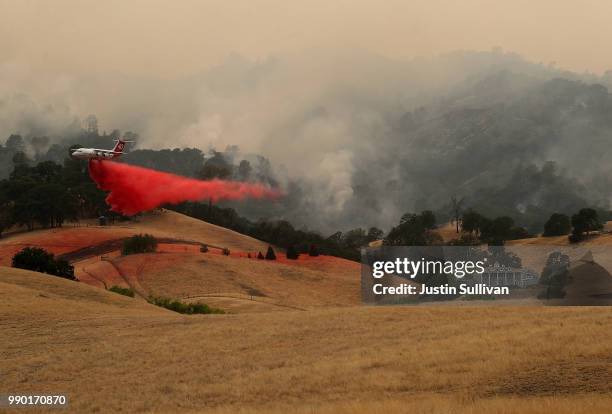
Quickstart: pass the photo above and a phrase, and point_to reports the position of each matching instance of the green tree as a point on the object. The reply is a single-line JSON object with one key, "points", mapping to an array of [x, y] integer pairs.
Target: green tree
{"points": [[15, 143], [414, 230], [313, 251], [39, 260], [428, 219], [374, 234], [472, 222], [355, 238], [215, 167], [557, 225], [6, 208], [140, 243], [244, 170], [270, 255], [585, 221], [292, 253]]}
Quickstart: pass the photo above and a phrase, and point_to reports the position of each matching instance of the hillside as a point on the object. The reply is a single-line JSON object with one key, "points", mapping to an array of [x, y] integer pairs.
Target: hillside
{"points": [[178, 269], [162, 224], [31, 296], [94, 345], [603, 239], [304, 283], [447, 232], [293, 340]]}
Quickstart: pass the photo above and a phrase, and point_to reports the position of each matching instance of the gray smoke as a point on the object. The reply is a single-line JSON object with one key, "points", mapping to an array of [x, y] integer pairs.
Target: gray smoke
{"points": [[358, 139]]}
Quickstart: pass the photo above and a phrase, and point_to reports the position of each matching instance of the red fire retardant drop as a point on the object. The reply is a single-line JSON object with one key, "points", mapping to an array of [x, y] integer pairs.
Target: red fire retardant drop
{"points": [[135, 189]]}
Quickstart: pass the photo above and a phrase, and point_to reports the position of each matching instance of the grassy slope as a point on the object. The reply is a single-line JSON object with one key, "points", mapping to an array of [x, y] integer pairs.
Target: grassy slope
{"points": [[322, 281], [32, 297], [160, 224], [111, 353], [171, 224]]}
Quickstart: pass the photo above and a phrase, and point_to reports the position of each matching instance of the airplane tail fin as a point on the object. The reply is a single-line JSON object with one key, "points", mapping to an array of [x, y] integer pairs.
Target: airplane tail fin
{"points": [[120, 144]]}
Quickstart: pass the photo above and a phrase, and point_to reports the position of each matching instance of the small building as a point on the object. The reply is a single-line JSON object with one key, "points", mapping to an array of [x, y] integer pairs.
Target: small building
{"points": [[500, 275]]}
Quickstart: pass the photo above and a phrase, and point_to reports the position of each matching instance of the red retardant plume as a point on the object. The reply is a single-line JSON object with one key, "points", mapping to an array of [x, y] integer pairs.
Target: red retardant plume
{"points": [[135, 189]]}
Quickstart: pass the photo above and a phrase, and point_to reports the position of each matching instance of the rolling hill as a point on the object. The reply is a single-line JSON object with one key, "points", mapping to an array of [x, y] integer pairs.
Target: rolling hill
{"points": [[161, 224], [293, 340], [180, 270], [110, 353]]}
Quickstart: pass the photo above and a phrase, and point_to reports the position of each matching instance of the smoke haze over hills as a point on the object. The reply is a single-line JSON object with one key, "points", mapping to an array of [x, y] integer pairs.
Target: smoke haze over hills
{"points": [[363, 138]]}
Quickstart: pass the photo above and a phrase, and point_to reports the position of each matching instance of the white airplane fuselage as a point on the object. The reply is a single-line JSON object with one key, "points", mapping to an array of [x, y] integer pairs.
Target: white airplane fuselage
{"points": [[94, 154], [99, 154]]}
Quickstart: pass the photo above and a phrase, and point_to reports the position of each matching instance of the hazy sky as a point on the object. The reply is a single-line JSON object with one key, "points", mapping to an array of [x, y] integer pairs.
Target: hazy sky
{"points": [[170, 38]]}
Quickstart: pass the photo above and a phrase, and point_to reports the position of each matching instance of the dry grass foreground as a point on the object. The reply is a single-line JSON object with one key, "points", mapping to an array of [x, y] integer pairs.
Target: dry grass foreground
{"points": [[112, 354]]}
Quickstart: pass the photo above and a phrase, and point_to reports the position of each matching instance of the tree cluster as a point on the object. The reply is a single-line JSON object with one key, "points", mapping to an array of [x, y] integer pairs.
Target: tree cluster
{"points": [[414, 230], [139, 243], [39, 260], [282, 232], [492, 231], [583, 223], [48, 194]]}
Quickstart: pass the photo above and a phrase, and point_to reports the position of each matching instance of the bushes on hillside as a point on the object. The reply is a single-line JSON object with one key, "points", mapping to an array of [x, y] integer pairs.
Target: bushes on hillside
{"points": [[277, 232], [492, 231], [313, 251], [270, 255], [292, 253], [182, 307], [140, 243], [122, 291], [39, 260]]}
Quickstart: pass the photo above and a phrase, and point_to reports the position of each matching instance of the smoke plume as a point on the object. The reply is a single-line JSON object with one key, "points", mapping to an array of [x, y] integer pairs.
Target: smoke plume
{"points": [[135, 189]]}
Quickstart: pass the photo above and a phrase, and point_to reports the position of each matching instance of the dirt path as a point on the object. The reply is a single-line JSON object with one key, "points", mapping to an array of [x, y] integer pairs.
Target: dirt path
{"points": [[133, 284], [243, 297], [116, 244]]}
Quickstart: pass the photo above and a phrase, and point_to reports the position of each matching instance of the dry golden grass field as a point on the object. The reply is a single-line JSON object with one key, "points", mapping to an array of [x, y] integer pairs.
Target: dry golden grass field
{"points": [[110, 354], [303, 344]]}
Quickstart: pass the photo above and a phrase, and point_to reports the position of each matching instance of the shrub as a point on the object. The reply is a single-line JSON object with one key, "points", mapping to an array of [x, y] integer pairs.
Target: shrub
{"points": [[122, 291], [260, 256], [140, 243], [292, 253], [182, 307], [39, 260], [575, 237], [466, 239], [270, 255], [313, 251], [203, 248], [226, 251]]}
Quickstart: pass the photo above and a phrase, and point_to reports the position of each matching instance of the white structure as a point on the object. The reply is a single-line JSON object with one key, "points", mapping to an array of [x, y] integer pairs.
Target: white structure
{"points": [[500, 275]]}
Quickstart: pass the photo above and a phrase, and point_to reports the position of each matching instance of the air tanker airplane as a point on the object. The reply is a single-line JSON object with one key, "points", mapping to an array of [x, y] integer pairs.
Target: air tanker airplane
{"points": [[99, 154]]}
